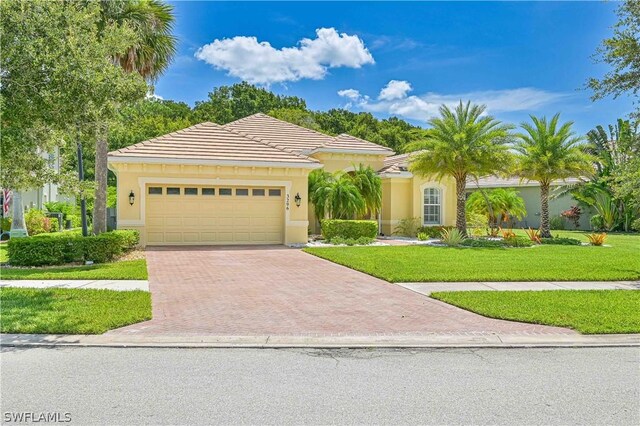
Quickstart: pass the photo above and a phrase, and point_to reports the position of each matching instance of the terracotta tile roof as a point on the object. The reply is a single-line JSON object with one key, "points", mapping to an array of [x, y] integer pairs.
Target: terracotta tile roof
{"points": [[396, 164], [286, 135], [210, 142], [279, 133], [345, 142]]}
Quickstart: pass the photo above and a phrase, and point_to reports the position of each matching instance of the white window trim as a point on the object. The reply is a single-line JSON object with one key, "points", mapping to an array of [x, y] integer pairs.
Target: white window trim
{"points": [[443, 191]]}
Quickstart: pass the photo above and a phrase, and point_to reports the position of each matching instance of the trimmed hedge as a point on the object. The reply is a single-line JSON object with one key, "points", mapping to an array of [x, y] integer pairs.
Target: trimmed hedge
{"points": [[350, 229], [560, 241], [72, 247], [433, 231]]}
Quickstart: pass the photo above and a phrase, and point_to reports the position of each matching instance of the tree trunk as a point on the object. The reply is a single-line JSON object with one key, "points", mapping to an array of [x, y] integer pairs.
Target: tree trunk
{"points": [[461, 205], [100, 203], [545, 231], [18, 227]]}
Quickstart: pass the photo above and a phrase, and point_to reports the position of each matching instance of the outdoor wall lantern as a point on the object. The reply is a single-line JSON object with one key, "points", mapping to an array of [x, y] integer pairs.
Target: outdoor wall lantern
{"points": [[298, 199], [132, 197]]}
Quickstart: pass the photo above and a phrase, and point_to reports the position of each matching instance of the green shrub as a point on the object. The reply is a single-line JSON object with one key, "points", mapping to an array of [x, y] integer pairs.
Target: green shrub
{"points": [[353, 229], [597, 222], [407, 227], [517, 242], [557, 223], [112, 197], [434, 231], [68, 247], [362, 241], [422, 236], [452, 237], [54, 224], [6, 224], [477, 224], [37, 222], [560, 241], [635, 225], [483, 242]]}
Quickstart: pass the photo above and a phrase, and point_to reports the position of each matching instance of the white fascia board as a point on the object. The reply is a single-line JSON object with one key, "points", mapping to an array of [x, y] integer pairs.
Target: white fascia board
{"points": [[194, 161], [401, 175]]}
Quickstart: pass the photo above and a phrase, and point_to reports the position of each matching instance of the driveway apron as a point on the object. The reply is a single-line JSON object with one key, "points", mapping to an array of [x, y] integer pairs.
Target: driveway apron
{"points": [[276, 290]]}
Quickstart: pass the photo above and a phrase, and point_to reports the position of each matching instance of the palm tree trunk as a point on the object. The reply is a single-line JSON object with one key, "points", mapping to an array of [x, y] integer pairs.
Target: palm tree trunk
{"points": [[461, 205], [545, 231], [18, 227], [100, 203]]}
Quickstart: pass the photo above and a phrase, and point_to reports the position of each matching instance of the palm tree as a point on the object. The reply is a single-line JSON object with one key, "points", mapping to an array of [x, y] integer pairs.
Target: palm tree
{"points": [[149, 55], [318, 180], [549, 151], [462, 143], [370, 186], [335, 195], [498, 205]]}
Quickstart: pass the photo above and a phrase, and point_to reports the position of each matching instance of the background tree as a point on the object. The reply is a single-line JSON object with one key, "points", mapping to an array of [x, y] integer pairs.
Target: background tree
{"points": [[230, 103], [622, 52], [548, 152], [147, 54], [58, 79], [462, 143]]}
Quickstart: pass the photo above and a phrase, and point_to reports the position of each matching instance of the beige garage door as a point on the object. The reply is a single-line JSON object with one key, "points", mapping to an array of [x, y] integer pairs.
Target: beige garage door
{"points": [[182, 214]]}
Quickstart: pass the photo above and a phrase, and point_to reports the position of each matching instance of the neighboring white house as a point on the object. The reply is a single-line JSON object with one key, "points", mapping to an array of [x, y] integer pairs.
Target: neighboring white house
{"points": [[35, 198]]}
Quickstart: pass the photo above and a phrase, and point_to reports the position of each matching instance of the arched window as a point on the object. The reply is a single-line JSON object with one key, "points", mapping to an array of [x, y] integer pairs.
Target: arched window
{"points": [[432, 206]]}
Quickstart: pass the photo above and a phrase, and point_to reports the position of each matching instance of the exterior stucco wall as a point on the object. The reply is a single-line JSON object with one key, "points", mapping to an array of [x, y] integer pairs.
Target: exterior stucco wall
{"points": [[531, 196], [333, 162], [135, 177], [402, 198]]}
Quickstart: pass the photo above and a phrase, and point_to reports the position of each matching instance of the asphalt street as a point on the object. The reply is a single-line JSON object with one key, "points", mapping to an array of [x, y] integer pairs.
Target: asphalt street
{"points": [[307, 386]]}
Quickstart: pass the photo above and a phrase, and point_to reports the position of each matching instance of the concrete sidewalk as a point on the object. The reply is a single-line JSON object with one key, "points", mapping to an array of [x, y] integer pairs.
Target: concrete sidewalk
{"points": [[428, 288], [119, 285]]}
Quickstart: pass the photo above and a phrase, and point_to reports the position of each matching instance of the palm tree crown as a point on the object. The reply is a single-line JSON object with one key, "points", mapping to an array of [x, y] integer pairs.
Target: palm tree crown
{"points": [[461, 143], [549, 152], [370, 186], [152, 22]]}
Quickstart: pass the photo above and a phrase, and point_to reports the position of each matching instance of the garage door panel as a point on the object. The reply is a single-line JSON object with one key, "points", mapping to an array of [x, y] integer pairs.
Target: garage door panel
{"points": [[191, 237], [155, 237], [173, 237], [191, 221]]}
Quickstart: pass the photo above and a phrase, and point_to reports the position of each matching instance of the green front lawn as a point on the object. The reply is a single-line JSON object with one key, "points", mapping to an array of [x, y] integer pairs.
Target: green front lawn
{"points": [[586, 311], [621, 261], [71, 311], [123, 270]]}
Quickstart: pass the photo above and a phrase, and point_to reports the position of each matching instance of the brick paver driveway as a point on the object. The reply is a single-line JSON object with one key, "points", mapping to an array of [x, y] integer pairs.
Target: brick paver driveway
{"points": [[276, 290]]}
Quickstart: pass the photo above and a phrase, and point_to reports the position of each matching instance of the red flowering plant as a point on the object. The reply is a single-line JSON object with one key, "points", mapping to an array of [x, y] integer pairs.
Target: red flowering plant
{"points": [[572, 214]]}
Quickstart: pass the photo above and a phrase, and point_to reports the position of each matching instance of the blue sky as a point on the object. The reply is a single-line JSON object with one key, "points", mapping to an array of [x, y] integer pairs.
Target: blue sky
{"points": [[400, 59]]}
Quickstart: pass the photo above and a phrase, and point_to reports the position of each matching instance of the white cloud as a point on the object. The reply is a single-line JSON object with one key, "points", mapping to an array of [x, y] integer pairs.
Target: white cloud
{"points": [[154, 96], [422, 107], [260, 63], [351, 94], [395, 89]]}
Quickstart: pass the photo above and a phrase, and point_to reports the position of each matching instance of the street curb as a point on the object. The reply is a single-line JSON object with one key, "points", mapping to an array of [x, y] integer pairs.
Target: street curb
{"points": [[322, 342]]}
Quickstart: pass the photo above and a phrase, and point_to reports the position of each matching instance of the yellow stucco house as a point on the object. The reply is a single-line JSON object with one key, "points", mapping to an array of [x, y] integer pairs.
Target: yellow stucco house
{"points": [[246, 183]]}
